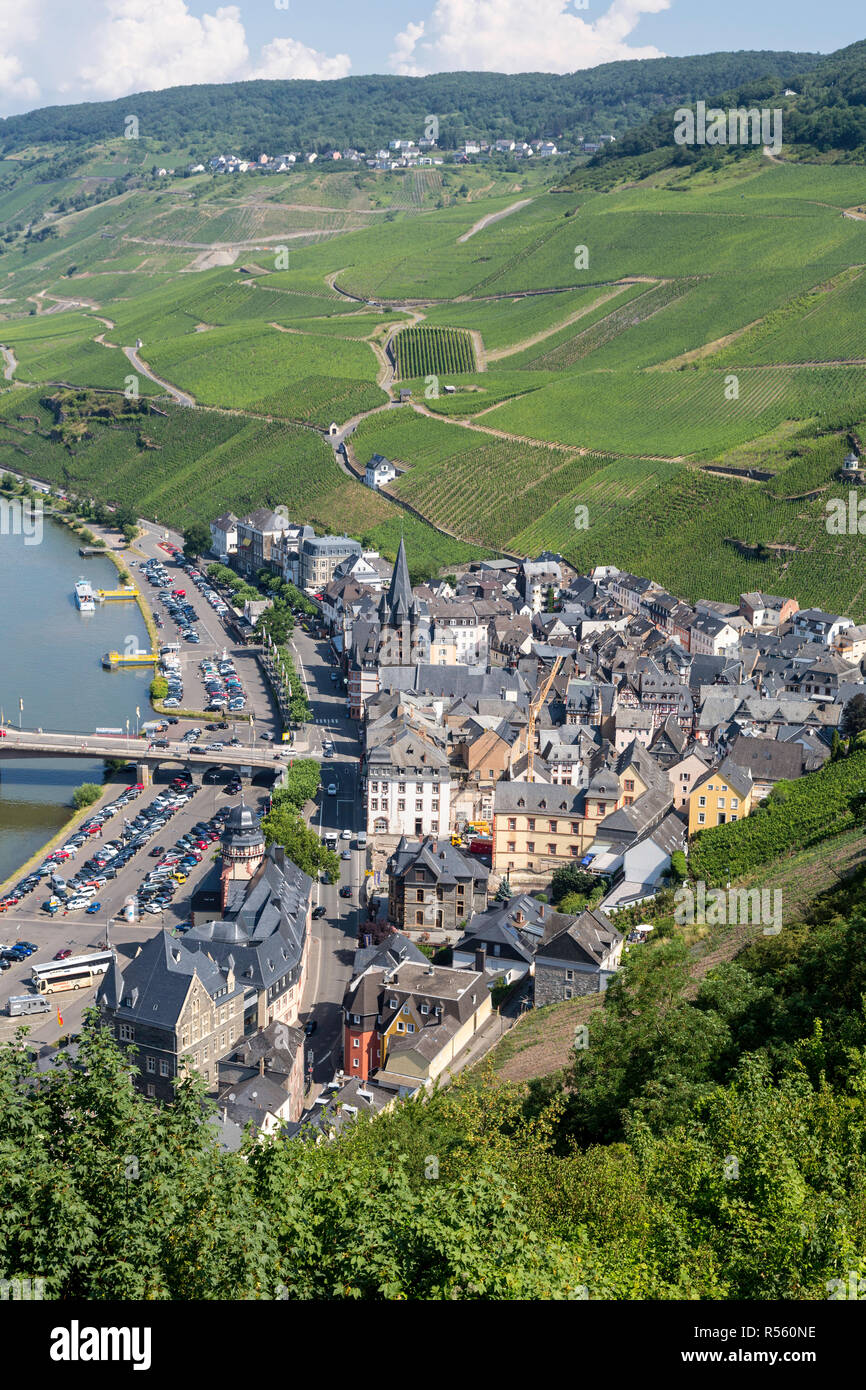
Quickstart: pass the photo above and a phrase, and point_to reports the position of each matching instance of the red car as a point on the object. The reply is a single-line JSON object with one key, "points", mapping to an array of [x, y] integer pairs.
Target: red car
{"points": [[3, 733], [62, 955]]}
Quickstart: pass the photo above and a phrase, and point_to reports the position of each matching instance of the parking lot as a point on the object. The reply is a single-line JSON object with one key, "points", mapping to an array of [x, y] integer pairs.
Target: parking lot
{"points": [[174, 593], [136, 838]]}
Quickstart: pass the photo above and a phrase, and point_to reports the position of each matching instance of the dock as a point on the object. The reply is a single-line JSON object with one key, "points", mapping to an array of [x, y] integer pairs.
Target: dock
{"points": [[126, 591], [112, 659]]}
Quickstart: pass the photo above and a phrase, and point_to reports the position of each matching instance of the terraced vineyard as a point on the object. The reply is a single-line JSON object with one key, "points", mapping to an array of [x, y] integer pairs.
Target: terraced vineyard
{"points": [[683, 334], [433, 352]]}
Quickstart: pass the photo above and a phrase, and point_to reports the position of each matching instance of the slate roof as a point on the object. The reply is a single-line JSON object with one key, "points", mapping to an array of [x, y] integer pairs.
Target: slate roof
{"points": [[587, 938], [444, 861]]}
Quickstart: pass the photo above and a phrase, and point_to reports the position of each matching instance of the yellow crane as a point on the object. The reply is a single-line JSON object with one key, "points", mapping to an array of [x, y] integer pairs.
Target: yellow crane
{"points": [[535, 706]]}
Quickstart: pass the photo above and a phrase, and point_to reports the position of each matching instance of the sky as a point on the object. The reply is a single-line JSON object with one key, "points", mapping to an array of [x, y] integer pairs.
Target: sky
{"points": [[61, 51]]}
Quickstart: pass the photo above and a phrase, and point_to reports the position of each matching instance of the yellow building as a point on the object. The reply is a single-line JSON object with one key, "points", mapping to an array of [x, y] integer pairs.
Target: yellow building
{"points": [[721, 796]]}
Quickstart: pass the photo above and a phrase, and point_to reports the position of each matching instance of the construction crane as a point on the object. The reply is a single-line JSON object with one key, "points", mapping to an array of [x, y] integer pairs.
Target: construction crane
{"points": [[535, 706]]}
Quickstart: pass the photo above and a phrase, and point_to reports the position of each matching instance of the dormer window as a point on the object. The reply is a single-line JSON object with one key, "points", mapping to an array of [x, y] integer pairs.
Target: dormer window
{"points": [[425, 1009], [405, 1008], [392, 1003]]}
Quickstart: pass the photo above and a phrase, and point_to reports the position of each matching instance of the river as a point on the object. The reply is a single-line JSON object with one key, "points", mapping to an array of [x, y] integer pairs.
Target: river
{"points": [[50, 657]]}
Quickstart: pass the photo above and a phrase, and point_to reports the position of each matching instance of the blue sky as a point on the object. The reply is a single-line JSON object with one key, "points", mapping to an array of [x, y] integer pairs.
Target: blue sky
{"points": [[77, 50]]}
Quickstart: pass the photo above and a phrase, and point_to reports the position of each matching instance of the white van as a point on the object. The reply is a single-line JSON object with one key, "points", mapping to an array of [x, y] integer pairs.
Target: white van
{"points": [[362, 839]]}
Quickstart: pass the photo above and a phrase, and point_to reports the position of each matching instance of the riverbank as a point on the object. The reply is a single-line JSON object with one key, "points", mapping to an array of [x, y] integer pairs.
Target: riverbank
{"points": [[59, 838]]}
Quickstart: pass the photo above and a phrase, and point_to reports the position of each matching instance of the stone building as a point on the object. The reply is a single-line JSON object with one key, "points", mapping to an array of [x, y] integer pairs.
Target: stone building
{"points": [[433, 886], [577, 955], [180, 1005]]}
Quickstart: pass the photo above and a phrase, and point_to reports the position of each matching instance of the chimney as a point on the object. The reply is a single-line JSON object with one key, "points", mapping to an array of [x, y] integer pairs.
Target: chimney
{"points": [[262, 1065], [541, 911], [480, 957]]}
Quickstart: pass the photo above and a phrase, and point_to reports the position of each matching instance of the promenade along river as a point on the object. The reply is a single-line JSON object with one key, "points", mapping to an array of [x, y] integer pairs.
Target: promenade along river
{"points": [[51, 658]]}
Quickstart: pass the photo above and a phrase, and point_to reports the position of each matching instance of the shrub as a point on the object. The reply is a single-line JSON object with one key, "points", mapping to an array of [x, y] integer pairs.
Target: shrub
{"points": [[85, 795]]}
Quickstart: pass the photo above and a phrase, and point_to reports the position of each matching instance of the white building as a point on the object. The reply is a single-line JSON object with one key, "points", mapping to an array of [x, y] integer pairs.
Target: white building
{"points": [[224, 536], [408, 786], [379, 471]]}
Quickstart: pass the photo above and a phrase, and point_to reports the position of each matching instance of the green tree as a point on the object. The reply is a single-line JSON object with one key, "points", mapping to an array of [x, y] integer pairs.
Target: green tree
{"points": [[570, 878], [853, 719], [158, 688], [86, 794]]}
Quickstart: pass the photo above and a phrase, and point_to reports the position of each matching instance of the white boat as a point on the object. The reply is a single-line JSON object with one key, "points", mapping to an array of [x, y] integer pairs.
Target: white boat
{"points": [[84, 596]]}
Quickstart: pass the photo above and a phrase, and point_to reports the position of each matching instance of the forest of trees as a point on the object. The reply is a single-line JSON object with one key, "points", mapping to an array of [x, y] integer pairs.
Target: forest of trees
{"points": [[365, 112], [828, 112]]}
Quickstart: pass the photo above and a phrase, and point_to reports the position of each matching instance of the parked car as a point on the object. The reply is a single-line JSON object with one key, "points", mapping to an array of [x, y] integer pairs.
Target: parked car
{"points": [[319, 911]]}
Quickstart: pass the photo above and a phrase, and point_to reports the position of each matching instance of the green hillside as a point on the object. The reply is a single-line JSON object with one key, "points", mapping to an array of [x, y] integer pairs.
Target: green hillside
{"points": [[608, 342]]}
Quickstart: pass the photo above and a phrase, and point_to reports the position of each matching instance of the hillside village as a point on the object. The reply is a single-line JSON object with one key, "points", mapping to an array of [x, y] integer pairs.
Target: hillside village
{"points": [[400, 154], [526, 731]]}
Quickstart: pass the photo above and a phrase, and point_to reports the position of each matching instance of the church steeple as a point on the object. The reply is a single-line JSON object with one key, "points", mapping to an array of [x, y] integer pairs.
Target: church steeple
{"points": [[400, 592]]}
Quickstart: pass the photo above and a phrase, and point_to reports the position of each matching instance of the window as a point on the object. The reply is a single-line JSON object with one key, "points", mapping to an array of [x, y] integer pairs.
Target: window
{"points": [[530, 823], [222, 1041], [530, 846], [419, 919], [601, 808], [702, 801], [512, 823], [575, 827], [574, 851], [721, 802], [392, 1003], [400, 1026], [701, 818], [354, 1061], [374, 804], [405, 1008], [356, 1042], [127, 1032], [419, 895], [151, 1091], [733, 817], [628, 784], [551, 825], [401, 787], [163, 1068], [151, 1064], [356, 1018], [410, 1027], [734, 803], [401, 805], [568, 993], [551, 849], [512, 848], [425, 1008]]}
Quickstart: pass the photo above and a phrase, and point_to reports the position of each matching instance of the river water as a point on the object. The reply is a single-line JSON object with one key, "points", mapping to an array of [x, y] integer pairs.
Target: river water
{"points": [[51, 658]]}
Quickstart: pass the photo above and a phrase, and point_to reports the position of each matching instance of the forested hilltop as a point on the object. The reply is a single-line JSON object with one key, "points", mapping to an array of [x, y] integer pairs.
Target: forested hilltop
{"points": [[366, 112], [824, 112]]}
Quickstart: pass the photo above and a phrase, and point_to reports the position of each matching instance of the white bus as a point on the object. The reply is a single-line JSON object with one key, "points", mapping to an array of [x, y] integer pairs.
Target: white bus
{"points": [[76, 972]]}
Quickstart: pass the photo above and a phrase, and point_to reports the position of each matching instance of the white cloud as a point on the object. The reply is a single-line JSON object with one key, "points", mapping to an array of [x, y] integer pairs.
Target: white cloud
{"points": [[287, 58], [148, 44], [520, 36], [19, 24], [112, 48], [401, 59]]}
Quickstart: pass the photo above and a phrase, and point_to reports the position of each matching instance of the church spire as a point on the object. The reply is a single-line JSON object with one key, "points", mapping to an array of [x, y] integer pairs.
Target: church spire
{"points": [[400, 592]]}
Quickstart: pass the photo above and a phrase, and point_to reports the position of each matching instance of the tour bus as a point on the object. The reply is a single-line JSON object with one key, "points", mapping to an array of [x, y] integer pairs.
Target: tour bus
{"points": [[76, 972]]}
